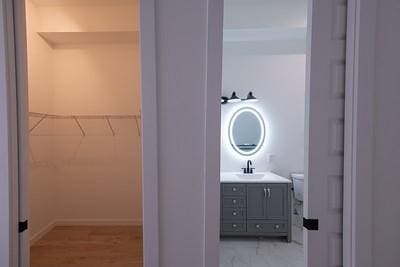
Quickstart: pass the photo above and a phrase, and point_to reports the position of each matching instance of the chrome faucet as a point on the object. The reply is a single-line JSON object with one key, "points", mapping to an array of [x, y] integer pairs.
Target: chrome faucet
{"points": [[248, 170]]}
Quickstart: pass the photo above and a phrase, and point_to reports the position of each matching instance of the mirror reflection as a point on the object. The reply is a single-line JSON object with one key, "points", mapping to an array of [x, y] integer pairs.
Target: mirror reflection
{"points": [[246, 131]]}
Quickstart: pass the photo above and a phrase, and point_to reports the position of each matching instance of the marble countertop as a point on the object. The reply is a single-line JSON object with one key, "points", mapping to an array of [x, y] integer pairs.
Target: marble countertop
{"points": [[258, 177]]}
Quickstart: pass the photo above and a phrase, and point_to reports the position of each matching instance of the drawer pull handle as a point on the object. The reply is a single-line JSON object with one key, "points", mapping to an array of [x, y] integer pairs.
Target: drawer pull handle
{"points": [[234, 213], [234, 189], [277, 226], [234, 201], [234, 225], [258, 226]]}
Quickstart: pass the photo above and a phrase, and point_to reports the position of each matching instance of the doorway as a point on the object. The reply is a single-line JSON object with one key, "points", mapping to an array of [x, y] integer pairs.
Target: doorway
{"points": [[83, 188], [282, 128], [263, 133]]}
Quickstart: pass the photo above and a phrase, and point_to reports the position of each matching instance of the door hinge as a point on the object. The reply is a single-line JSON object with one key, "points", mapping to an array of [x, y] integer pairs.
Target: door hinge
{"points": [[311, 224], [22, 226]]}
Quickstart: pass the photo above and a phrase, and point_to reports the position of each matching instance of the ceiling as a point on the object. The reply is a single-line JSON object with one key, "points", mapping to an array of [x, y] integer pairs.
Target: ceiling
{"points": [[267, 27], [241, 14]]}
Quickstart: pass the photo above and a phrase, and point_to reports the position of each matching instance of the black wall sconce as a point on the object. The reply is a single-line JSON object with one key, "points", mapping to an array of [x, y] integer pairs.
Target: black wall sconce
{"points": [[235, 99]]}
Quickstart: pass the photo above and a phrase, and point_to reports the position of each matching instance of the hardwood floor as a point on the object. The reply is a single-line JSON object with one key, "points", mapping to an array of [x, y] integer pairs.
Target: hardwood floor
{"points": [[87, 246]]}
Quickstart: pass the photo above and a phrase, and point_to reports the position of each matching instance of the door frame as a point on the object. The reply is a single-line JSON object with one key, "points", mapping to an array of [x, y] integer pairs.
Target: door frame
{"points": [[361, 20], [149, 133], [151, 219], [359, 113], [9, 206]]}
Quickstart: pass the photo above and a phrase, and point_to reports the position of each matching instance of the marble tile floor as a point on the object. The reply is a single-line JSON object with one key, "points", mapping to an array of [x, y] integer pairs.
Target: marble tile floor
{"points": [[263, 252]]}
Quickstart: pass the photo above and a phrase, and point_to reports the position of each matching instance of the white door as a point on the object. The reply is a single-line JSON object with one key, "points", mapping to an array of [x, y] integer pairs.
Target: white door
{"points": [[325, 132], [23, 129]]}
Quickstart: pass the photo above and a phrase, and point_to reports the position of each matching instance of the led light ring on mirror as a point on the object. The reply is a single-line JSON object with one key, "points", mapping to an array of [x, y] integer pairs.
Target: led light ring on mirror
{"points": [[262, 139]]}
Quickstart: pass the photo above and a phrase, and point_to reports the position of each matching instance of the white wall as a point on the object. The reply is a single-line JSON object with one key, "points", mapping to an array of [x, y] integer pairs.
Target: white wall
{"points": [[181, 80], [96, 79], [386, 178], [278, 81], [89, 17], [375, 185], [42, 204], [265, 14], [188, 111], [40, 54]]}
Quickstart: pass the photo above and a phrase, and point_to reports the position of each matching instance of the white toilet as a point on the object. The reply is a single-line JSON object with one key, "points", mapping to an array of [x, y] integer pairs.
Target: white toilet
{"points": [[298, 190], [298, 185]]}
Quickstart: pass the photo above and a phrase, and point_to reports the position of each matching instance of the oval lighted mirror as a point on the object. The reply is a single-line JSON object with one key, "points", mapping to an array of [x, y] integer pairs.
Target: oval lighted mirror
{"points": [[246, 131]]}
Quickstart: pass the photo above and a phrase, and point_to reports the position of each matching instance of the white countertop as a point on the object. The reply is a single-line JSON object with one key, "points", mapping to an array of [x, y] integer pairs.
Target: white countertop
{"points": [[267, 177]]}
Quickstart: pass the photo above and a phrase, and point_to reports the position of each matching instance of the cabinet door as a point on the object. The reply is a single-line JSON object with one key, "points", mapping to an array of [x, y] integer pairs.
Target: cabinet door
{"points": [[277, 201], [256, 201]]}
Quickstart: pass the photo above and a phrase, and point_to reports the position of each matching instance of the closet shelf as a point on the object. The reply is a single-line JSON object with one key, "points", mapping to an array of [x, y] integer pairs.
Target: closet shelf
{"points": [[82, 3], [56, 39], [77, 118]]}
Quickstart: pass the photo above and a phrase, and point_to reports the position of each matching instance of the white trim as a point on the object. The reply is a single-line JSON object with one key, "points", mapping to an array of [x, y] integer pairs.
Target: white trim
{"points": [[10, 134], [23, 125], [348, 186], [97, 222], [359, 113], [149, 133], [36, 237], [215, 10]]}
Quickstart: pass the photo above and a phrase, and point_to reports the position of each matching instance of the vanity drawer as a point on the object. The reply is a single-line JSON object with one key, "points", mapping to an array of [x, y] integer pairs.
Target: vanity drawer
{"points": [[233, 214], [234, 202], [233, 227], [233, 189], [266, 227]]}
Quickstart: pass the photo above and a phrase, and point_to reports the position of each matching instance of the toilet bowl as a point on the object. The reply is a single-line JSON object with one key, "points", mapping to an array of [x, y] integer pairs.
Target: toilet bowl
{"points": [[298, 185]]}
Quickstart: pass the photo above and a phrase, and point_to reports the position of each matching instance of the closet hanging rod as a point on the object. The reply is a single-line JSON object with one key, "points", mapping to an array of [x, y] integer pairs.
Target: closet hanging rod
{"points": [[53, 116]]}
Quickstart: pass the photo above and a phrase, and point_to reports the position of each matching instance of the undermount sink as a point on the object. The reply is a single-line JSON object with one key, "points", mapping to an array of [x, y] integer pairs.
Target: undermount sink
{"points": [[258, 177], [250, 175]]}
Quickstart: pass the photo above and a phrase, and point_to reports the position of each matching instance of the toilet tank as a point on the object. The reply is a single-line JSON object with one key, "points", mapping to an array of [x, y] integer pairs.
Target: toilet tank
{"points": [[298, 185]]}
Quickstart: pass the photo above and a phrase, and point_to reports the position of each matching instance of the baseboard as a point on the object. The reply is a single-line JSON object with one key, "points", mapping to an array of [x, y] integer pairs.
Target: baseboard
{"points": [[42, 232], [82, 222], [98, 222]]}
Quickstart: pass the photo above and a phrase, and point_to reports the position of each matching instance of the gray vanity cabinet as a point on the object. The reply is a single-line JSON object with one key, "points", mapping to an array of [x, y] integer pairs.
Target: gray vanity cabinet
{"points": [[267, 201], [255, 209], [256, 202], [277, 202]]}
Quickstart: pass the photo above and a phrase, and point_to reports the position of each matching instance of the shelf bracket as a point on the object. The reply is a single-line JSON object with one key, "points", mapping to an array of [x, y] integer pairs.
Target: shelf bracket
{"points": [[37, 123], [79, 125]]}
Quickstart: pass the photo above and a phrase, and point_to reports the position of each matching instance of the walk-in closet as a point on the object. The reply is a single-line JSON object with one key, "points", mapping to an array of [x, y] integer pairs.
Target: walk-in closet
{"points": [[84, 132]]}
